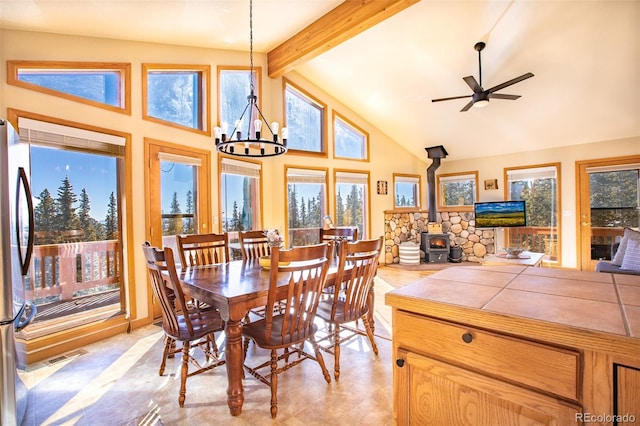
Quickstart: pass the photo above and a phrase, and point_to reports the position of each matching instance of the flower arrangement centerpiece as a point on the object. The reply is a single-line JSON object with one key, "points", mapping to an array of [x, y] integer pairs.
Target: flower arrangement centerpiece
{"points": [[274, 239]]}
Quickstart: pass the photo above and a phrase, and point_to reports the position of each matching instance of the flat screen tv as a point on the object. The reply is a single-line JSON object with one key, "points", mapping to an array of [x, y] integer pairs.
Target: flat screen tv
{"points": [[500, 214]]}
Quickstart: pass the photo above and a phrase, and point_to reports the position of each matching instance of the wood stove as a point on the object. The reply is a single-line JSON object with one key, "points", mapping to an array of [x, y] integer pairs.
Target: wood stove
{"points": [[435, 247]]}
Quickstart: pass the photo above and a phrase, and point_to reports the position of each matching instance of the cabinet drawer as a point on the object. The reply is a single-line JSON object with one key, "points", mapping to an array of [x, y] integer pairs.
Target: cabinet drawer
{"points": [[547, 368]]}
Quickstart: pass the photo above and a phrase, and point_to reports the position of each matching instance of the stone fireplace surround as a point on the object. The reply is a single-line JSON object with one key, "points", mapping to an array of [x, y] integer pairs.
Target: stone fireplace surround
{"points": [[401, 226]]}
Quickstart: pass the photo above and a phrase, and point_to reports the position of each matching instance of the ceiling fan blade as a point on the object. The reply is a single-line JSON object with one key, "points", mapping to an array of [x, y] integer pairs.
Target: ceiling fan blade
{"points": [[473, 83], [510, 82], [501, 96], [448, 99], [467, 106]]}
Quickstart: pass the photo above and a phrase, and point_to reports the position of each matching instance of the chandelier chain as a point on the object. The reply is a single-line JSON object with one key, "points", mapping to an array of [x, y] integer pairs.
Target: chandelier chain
{"points": [[251, 87]]}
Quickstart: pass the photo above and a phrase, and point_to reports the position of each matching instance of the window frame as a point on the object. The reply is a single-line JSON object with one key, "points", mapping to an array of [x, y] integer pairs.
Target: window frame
{"points": [[253, 164], [122, 68], [407, 178], [257, 72], [336, 116], [204, 88], [533, 168], [316, 103], [313, 171], [366, 226], [441, 178]]}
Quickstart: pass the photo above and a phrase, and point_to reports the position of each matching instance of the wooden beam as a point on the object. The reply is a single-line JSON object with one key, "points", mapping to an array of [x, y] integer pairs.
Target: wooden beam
{"points": [[340, 24]]}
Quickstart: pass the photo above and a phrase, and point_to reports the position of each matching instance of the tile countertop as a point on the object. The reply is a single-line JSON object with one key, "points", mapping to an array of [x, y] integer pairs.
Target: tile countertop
{"points": [[556, 305]]}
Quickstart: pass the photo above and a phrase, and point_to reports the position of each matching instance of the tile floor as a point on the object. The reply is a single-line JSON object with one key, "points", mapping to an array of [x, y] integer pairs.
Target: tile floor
{"points": [[116, 382]]}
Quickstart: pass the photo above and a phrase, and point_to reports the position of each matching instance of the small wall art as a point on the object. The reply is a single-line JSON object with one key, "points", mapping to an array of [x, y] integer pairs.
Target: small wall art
{"points": [[382, 187], [491, 184]]}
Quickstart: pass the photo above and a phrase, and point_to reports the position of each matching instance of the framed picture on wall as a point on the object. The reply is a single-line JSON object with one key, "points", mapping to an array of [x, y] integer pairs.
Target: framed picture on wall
{"points": [[491, 184]]}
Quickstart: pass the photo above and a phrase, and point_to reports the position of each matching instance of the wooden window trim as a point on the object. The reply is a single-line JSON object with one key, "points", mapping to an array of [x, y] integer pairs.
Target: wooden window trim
{"points": [[313, 100], [337, 116], [457, 208], [204, 116], [124, 69], [368, 204], [418, 195]]}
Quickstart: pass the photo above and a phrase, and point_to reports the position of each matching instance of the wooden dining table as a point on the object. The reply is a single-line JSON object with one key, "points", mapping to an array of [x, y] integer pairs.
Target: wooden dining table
{"points": [[235, 288]]}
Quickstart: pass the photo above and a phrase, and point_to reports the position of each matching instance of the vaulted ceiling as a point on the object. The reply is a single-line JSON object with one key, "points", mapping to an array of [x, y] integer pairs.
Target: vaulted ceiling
{"points": [[386, 59]]}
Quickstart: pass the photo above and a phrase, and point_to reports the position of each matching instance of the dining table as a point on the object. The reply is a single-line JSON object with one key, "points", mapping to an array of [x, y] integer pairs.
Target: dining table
{"points": [[235, 288]]}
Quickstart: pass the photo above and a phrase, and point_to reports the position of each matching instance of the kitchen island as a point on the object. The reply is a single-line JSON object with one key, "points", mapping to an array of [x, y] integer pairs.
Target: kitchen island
{"points": [[493, 345]]}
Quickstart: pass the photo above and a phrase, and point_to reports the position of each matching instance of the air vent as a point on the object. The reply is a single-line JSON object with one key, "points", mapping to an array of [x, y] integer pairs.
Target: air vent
{"points": [[66, 357]]}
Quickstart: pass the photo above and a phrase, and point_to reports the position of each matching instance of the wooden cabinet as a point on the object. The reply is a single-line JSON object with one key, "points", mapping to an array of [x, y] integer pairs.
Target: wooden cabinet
{"points": [[627, 395], [462, 375]]}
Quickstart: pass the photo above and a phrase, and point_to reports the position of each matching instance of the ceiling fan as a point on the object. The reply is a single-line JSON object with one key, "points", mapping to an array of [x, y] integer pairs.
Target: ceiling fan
{"points": [[480, 97]]}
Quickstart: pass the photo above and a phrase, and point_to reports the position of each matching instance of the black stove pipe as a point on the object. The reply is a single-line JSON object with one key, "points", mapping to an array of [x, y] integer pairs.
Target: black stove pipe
{"points": [[436, 153]]}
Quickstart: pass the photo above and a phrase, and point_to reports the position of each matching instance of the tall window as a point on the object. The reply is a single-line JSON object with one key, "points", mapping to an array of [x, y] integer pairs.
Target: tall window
{"points": [[305, 120], [350, 141], [234, 87], [539, 188], [306, 204], [406, 190], [75, 179], [240, 195], [352, 200], [457, 190], [177, 95], [105, 85]]}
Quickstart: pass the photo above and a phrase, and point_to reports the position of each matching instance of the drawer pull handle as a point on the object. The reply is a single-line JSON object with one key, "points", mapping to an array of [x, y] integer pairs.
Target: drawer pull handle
{"points": [[467, 337], [400, 362]]}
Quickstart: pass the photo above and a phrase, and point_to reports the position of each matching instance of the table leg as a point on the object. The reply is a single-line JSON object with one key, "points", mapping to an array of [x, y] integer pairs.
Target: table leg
{"points": [[234, 355]]}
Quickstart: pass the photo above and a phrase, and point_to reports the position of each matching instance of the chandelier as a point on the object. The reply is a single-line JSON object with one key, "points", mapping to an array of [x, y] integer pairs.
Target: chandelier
{"points": [[253, 144]]}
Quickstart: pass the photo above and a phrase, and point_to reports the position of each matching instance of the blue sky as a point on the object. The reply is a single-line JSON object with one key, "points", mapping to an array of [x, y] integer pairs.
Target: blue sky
{"points": [[95, 173]]}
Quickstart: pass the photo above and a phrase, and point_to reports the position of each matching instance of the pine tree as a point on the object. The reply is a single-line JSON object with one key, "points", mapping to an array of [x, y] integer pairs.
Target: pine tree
{"points": [[45, 218], [175, 224], [191, 221], [67, 219], [111, 220], [339, 210], [86, 221]]}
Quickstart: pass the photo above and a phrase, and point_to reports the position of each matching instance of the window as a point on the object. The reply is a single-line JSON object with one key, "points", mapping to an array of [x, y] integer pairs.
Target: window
{"points": [[350, 141], [538, 186], [177, 95], [78, 222], [305, 121], [234, 87], [457, 190], [240, 195], [352, 200], [104, 85], [306, 204], [406, 190], [615, 196]]}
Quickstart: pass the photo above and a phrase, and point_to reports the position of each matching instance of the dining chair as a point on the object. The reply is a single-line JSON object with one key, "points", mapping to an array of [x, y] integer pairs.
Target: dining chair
{"points": [[181, 321], [203, 249], [303, 271], [253, 244], [357, 266]]}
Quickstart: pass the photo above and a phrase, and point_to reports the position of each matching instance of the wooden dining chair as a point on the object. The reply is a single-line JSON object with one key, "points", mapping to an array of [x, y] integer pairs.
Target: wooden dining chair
{"points": [[348, 233], [253, 244], [203, 249], [181, 321], [303, 278], [357, 266]]}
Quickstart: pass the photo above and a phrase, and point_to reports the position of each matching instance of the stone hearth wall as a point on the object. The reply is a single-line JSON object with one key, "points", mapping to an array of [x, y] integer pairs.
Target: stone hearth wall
{"points": [[407, 226]]}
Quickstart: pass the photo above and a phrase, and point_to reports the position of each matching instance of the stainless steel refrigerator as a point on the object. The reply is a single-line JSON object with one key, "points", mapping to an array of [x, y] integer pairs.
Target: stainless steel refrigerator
{"points": [[16, 236]]}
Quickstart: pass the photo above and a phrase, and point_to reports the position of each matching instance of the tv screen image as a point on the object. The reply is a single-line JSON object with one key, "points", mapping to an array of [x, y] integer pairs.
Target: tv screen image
{"points": [[500, 214]]}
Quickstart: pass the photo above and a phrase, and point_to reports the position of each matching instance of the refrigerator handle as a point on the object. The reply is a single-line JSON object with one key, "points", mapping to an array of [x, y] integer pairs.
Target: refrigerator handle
{"points": [[23, 322], [23, 182]]}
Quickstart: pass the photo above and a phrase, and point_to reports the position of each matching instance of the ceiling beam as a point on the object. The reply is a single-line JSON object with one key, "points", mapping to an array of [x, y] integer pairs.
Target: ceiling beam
{"points": [[340, 24]]}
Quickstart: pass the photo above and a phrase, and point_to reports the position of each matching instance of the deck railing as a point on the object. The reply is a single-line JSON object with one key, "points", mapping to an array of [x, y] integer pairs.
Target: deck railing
{"points": [[60, 272]]}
